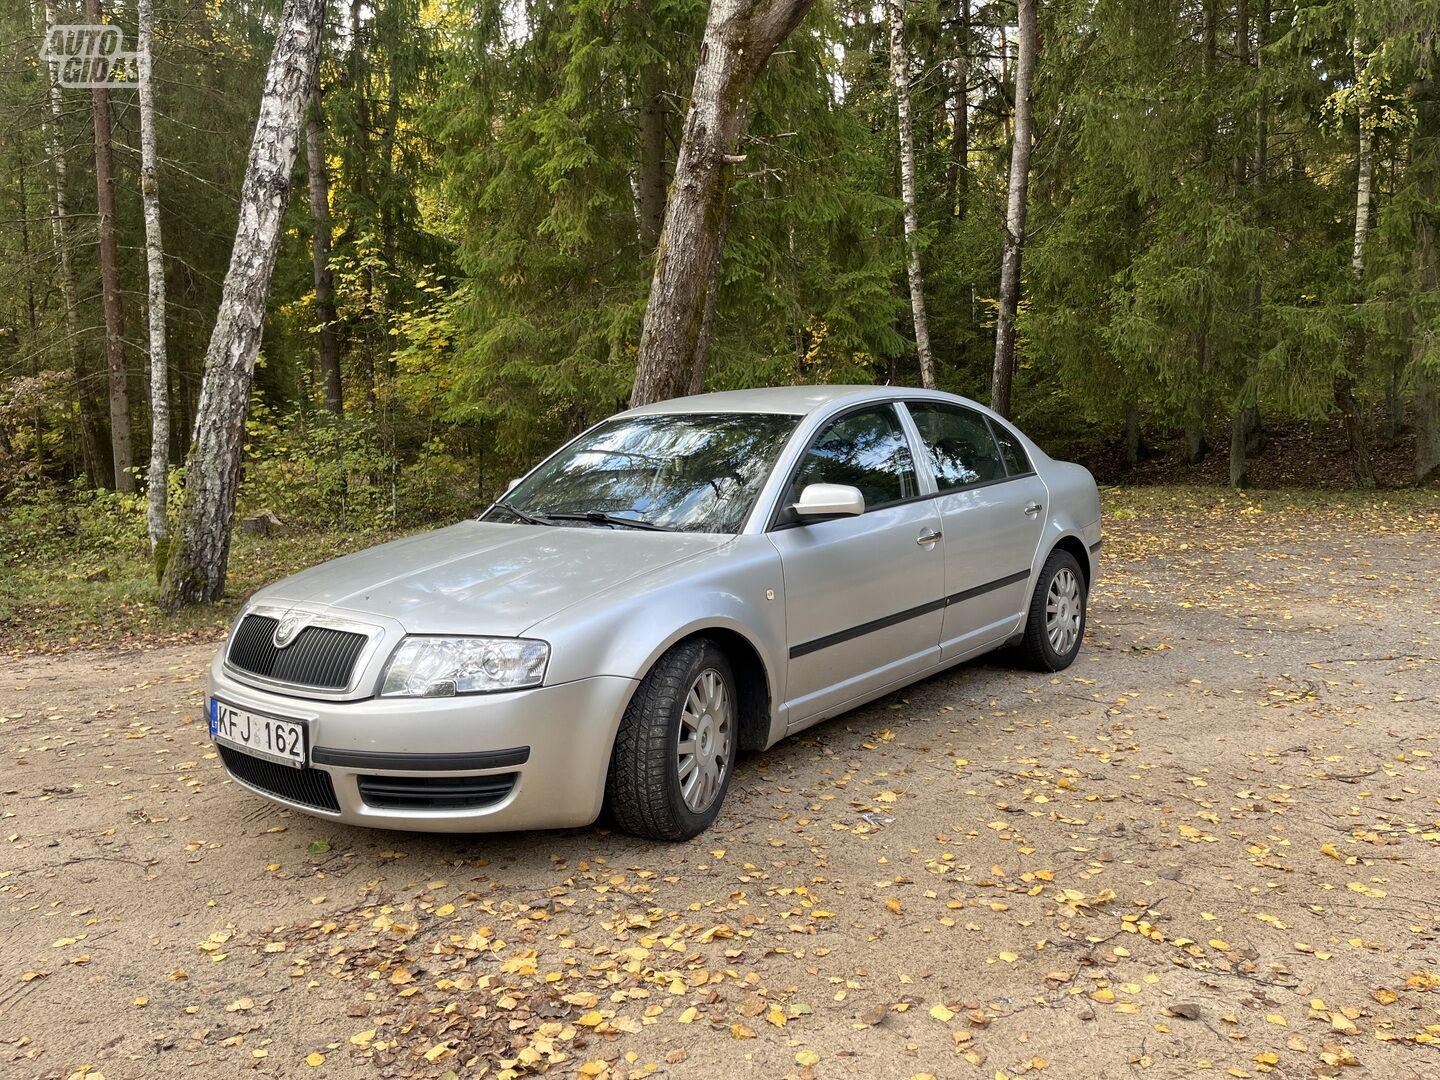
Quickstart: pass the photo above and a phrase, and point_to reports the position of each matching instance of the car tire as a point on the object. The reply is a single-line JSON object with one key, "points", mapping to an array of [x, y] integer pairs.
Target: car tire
{"points": [[686, 700], [1055, 626]]}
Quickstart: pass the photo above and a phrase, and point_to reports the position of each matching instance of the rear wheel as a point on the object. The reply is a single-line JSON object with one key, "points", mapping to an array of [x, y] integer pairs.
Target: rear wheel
{"points": [[1056, 624], [675, 750]]}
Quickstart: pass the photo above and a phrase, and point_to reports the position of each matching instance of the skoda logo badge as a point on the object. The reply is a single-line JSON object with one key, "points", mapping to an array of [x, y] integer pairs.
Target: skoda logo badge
{"points": [[287, 630]]}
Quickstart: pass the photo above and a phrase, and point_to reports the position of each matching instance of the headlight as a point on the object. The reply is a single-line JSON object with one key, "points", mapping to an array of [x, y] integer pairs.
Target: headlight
{"points": [[446, 666]]}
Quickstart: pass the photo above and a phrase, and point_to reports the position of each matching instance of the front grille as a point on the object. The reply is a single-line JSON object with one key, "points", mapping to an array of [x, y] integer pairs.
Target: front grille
{"points": [[435, 792], [320, 656], [308, 787]]}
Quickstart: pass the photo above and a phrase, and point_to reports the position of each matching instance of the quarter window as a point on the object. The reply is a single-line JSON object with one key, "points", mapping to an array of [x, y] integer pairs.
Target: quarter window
{"points": [[1017, 462], [867, 450], [961, 448]]}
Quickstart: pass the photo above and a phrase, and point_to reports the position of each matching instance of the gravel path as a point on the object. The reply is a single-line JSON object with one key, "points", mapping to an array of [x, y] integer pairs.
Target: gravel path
{"points": [[1210, 845]]}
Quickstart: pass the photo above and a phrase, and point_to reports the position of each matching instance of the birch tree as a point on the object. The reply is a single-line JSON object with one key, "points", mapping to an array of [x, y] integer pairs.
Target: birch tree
{"points": [[739, 37], [957, 170], [321, 240], [200, 552], [111, 299], [900, 79], [1004, 371], [157, 477], [1344, 386]]}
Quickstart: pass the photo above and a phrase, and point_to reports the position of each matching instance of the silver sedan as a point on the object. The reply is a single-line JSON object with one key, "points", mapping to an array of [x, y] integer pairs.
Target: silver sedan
{"points": [[679, 583]]}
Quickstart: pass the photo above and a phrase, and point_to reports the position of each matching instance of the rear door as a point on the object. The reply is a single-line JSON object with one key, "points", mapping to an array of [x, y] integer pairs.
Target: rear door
{"points": [[864, 595], [992, 510]]}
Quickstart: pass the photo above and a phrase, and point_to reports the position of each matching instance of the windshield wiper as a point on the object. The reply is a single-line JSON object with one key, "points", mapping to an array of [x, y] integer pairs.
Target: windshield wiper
{"points": [[597, 517], [527, 518]]}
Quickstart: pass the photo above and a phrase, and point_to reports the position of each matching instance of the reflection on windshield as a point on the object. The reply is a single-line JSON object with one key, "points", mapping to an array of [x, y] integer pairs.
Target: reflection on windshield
{"points": [[687, 471]]}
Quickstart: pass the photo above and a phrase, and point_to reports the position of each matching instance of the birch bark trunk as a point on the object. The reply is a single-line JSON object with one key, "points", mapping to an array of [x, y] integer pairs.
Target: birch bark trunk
{"points": [[200, 551], [1004, 372], [957, 171], [157, 476], [739, 37], [1344, 388], [321, 240], [900, 79], [111, 298]]}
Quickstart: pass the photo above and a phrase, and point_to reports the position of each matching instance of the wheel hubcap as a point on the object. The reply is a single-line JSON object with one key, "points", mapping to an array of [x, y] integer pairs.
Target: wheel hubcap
{"points": [[1063, 611], [702, 755]]}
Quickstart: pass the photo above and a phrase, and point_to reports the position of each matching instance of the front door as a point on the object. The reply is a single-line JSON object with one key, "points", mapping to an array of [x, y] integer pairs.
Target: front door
{"points": [[992, 510], [864, 596]]}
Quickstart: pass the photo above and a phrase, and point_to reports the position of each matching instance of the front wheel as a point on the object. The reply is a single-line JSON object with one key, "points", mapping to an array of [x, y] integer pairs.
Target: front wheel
{"points": [[675, 750], [1056, 624]]}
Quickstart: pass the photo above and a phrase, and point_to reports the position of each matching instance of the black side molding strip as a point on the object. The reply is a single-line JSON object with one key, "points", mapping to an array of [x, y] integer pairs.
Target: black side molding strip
{"points": [[870, 627], [989, 586], [381, 759], [1096, 546], [808, 647]]}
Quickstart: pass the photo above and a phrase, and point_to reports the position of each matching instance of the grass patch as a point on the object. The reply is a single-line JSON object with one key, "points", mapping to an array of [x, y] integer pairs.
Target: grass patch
{"points": [[1398, 506], [58, 591]]}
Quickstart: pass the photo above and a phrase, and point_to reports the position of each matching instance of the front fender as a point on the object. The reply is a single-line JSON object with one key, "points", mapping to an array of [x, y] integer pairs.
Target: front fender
{"points": [[624, 630]]}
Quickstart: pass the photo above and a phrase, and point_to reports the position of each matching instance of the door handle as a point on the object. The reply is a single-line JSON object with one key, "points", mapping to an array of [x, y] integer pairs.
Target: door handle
{"points": [[1033, 509], [927, 538]]}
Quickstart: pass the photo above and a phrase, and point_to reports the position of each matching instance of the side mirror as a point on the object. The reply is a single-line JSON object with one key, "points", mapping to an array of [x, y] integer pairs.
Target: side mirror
{"points": [[829, 500], [511, 485]]}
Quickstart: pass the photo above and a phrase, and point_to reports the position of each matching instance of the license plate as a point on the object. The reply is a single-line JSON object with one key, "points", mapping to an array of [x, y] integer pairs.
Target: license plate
{"points": [[268, 737]]}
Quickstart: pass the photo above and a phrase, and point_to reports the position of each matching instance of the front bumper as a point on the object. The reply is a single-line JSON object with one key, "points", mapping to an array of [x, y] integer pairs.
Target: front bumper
{"points": [[390, 745]]}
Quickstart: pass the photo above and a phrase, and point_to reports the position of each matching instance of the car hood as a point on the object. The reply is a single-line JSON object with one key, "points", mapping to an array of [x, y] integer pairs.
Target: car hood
{"points": [[485, 577]]}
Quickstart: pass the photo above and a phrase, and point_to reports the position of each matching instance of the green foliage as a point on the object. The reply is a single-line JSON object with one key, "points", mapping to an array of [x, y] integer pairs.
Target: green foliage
{"points": [[316, 469], [485, 163]]}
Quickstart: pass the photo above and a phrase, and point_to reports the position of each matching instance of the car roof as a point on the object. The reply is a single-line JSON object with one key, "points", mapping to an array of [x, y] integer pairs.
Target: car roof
{"points": [[787, 400]]}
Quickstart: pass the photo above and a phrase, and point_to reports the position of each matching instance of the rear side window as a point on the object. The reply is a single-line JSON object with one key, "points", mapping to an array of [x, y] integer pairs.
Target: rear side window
{"points": [[958, 440], [1017, 462], [867, 450]]}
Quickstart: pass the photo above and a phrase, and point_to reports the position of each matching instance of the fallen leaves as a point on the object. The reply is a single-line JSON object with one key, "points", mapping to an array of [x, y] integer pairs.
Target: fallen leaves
{"points": [[1098, 845]]}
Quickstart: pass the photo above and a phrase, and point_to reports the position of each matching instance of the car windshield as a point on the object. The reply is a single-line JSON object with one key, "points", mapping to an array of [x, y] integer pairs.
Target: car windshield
{"points": [[691, 472]]}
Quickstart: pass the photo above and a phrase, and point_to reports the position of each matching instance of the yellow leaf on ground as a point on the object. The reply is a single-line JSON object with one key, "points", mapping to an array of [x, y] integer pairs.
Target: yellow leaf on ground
{"points": [[941, 1013]]}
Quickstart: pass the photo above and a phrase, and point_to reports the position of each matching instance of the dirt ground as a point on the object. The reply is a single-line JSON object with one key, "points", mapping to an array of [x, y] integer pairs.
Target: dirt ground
{"points": [[1209, 848]]}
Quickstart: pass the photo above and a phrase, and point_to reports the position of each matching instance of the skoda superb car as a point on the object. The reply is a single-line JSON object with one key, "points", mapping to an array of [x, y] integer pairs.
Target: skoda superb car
{"points": [[679, 583]]}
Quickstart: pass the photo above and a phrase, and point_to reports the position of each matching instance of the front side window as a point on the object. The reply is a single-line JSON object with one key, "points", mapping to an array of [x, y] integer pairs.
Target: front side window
{"points": [[867, 450], [690, 472], [962, 451]]}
